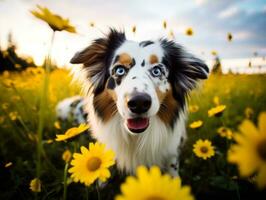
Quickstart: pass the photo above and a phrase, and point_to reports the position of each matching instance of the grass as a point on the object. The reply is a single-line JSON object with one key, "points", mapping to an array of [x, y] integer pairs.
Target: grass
{"points": [[20, 92]]}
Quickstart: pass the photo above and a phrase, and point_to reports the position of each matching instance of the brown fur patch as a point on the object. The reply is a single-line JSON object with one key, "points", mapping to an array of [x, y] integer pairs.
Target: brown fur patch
{"points": [[168, 107], [153, 59], [104, 104], [125, 59]]}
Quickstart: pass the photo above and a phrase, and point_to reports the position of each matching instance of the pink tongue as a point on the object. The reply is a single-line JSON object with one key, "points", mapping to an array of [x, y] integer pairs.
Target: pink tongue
{"points": [[137, 123]]}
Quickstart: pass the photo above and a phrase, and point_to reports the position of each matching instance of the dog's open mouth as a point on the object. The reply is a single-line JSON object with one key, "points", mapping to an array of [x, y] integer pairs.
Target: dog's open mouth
{"points": [[137, 125]]}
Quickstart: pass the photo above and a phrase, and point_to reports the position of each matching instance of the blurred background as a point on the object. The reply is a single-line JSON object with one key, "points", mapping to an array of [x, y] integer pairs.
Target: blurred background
{"points": [[210, 21]]}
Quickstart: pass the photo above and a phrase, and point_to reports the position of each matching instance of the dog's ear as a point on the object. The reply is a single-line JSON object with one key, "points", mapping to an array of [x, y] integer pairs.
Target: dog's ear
{"points": [[97, 58], [185, 69]]}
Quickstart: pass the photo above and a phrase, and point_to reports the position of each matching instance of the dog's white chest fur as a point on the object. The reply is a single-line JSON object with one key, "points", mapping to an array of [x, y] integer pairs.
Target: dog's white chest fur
{"points": [[158, 145]]}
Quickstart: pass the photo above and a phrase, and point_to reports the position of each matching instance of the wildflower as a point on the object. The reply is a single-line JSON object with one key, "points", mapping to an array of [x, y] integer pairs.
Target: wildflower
{"points": [[50, 141], [171, 34], [92, 24], [249, 152], [5, 106], [8, 164], [134, 28], [216, 111], [193, 108], [214, 53], [57, 125], [164, 24], [151, 184], [216, 100], [35, 185], [229, 37], [189, 32], [203, 149], [196, 124], [249, 112], [225, 132], [56, 22], [91, 164], [13, 115], [66, 156], [72, 132], [5, 73]]}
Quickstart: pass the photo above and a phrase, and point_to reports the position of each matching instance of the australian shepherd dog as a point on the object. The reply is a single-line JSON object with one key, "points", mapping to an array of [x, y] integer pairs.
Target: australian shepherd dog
{"points": [[136, 97]]}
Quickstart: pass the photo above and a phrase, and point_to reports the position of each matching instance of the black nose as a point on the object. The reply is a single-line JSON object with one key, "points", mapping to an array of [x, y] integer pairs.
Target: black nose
{"points": [[139, 103]]}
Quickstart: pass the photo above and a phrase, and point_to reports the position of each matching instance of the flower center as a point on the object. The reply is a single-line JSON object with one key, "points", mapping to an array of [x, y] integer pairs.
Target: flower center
{"points": [[204, 149], [154, 198], [262, 149], [93, 164]]}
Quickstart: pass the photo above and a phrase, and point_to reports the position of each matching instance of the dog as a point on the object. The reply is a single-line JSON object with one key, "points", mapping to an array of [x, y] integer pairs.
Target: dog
{"points": [[136, 97], [70, 110]]}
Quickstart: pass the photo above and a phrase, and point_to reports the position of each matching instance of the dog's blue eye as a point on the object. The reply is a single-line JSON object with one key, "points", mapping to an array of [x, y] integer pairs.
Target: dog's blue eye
{"points": [[120, 71], [156, 71]]}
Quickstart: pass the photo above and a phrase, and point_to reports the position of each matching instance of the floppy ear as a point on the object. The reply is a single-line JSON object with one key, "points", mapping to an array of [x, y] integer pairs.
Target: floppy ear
{"points": [[97, 58], [185, 69]]}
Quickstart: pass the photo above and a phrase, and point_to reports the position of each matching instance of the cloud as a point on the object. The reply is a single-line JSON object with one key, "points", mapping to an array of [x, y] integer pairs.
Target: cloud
{"points": [[229, 12]]}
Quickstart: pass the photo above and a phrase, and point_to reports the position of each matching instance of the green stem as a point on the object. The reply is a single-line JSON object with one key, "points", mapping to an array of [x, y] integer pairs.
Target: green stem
{"points": [[43, 103], [98, 190], [65, 181]]}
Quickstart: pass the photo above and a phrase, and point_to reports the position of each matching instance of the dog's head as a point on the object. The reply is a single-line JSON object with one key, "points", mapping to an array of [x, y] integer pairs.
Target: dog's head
{"points": [[139, 80]]}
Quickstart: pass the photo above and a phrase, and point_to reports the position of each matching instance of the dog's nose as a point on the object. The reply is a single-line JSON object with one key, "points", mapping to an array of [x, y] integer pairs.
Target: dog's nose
{"points": [[139, 103]]}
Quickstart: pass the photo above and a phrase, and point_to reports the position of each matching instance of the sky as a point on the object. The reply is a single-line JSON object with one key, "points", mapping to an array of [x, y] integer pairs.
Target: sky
{"points": [[210, 20]]}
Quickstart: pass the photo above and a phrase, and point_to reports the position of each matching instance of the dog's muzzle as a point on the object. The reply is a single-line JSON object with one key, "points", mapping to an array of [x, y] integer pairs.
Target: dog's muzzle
{"points": [[139, 104]]}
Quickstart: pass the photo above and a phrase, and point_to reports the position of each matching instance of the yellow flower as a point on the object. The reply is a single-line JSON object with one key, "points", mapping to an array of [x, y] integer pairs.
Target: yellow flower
{"points": [[216, 100], [56, 22], [13, 116], [229, 37], [72, 132], [189, 32], [225, 132], [8, 164], [171, 34], [249, 152], [57, 125], [91, 24], [35, 185], [66, 156], [216, 111], [214, 53], [91, 164], [203, 149], [5, 106], [249, 112], [134, 28], [5, 73], [196, 124], [164, 24], [151, 184], [193, 108]]}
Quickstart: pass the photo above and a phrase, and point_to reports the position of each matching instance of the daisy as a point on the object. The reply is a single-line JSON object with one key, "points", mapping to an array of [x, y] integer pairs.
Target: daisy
{"points": [[216, 111], [91, 164], [196, 124], [56, 22], [249, 152], [151, 184], [72, 132], [203, 149]]}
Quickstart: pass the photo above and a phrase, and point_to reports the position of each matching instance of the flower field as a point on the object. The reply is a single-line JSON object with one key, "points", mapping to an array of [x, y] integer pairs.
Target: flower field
{"points": [[206, 166], [44, 157]]}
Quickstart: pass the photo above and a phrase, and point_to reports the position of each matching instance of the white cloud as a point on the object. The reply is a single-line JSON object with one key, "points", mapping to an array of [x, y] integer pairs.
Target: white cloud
{"points": [[229, 12]]}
